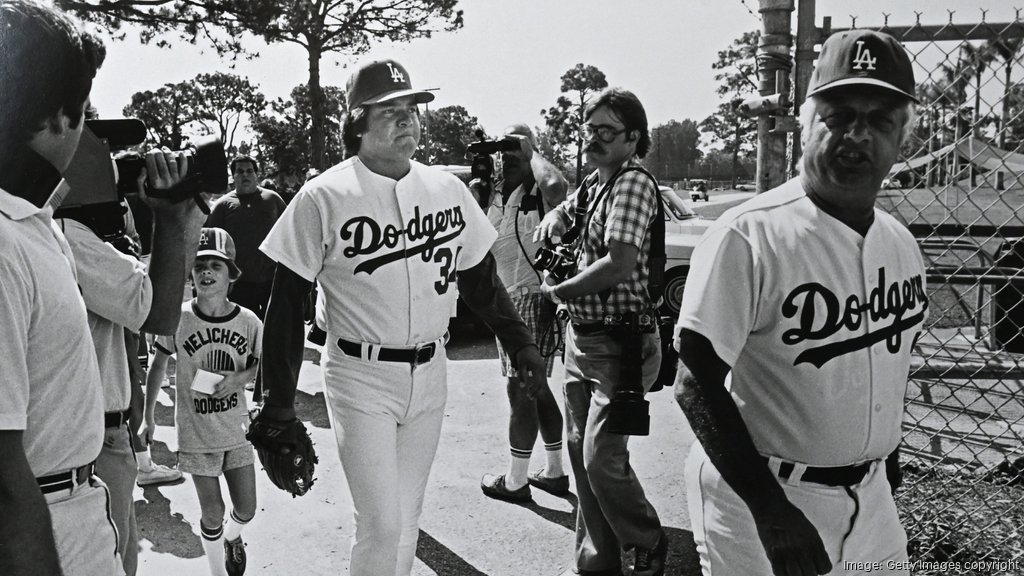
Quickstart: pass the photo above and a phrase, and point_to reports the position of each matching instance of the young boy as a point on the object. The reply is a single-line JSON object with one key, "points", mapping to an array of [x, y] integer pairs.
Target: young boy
{"points": [[217, 347]]}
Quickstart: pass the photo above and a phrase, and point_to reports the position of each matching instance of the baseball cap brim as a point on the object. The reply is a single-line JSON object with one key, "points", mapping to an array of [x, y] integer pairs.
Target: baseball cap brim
{"points": [[864, 81], [232, 267], [420, 97]]}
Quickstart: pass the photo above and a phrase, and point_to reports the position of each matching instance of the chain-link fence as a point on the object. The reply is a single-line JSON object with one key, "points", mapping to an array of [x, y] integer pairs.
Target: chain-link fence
{"points": [[959, 187]]}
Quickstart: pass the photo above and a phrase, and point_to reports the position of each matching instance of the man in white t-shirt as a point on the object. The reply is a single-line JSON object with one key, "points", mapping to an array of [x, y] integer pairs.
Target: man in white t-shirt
{"points": [[391, 243], [795, 335], [529, 187]]}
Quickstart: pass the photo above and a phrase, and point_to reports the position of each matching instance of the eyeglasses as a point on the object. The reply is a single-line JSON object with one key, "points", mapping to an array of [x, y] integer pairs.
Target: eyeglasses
{"points": [[605, 134]]}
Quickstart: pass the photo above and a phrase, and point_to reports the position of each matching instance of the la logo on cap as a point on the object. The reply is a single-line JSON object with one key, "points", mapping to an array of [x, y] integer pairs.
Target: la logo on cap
{"points": [[862, 60], [396, 74]]}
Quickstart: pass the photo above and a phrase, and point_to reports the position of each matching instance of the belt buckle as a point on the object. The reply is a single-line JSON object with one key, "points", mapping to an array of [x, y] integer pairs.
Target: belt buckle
{"points": [[424, 353]]}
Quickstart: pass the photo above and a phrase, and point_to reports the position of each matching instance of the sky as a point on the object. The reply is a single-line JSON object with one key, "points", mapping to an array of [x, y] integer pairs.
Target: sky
{"points": [[505, 64]]}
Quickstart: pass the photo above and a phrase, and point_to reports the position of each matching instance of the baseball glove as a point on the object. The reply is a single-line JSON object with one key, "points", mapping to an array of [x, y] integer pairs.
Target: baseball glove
{"points": [[285, 451]]}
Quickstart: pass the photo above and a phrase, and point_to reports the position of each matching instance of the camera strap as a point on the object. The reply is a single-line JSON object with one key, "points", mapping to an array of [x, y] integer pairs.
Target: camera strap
{"points": [[656, 260]]}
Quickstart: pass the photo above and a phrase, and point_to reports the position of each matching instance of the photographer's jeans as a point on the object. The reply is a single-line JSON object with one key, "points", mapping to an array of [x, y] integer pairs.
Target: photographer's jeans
{"points": [[613, 512]]}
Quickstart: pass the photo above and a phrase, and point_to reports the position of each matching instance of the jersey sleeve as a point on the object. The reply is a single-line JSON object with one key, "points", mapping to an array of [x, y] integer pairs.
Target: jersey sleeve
{"points": [[15, 317], [721, 294], [115, 286], [297, 239], [479, 234], [632, 210]]}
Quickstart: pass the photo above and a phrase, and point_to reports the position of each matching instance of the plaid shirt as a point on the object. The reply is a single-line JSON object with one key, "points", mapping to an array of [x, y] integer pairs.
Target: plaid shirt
{"points": [[624, 214]]}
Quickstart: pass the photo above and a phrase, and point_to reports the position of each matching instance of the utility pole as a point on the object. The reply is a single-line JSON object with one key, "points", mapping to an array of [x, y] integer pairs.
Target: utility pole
{"points": [[806, 38], [774, 63]]}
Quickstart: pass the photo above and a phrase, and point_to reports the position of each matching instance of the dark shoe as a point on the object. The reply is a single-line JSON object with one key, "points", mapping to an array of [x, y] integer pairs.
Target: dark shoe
{"points": [[558, 485], [234, 556], [494, 486], [649, 562]]}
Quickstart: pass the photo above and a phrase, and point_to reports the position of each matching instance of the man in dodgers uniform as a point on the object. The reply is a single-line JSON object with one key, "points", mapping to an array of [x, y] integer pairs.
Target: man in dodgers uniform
{"points": [[795, 336], [390, 243]]}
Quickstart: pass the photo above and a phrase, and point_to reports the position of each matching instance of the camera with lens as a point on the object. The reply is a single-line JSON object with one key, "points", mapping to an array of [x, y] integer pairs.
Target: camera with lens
{"points": [[559, 261], [481, 167], [628, 411], [95, 195]]}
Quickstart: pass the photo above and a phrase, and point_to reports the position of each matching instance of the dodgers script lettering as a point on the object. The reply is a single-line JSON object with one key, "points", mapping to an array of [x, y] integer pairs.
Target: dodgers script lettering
{"points": [[367, 236], [820, 314]]}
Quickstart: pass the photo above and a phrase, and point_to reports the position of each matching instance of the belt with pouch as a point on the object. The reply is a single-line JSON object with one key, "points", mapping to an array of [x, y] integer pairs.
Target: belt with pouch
{"points": [[415, 355], [116, 419], [645, 323], [829, 476], [66, 480]]}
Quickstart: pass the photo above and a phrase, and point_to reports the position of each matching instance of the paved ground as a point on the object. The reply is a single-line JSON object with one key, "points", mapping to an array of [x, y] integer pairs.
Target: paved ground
{"points": [[462, 533]]}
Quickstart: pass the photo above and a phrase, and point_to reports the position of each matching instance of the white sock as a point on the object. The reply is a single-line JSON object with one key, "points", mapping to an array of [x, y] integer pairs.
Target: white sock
{"points": [[234, 526], [145, 460], [518, 469], [213, 545], [553, 463]]}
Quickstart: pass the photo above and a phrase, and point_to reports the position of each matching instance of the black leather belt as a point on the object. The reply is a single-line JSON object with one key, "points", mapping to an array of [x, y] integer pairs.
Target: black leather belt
{"points": [[115, 419], [830, 476], [594, 328], [417, 355], [66, 480]]}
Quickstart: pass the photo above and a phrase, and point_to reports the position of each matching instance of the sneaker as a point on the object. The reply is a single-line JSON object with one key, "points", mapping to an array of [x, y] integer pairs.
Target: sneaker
{"points": [[234, 556], [160, 474], [494, 486], [649, 562], [557, 485]]}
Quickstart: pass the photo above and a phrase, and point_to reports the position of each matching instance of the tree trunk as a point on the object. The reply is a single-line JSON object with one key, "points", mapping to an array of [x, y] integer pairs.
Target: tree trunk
{"points": [[317, 144]]}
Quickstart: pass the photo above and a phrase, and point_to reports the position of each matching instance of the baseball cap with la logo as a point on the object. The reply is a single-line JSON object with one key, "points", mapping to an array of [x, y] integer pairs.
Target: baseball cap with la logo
{"points": [[218, 243], [863, 57], [380, 81]]}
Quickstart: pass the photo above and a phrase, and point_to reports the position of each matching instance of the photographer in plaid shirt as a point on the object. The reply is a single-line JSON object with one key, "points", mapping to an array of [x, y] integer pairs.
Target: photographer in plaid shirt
{"points": [[610, 281]]}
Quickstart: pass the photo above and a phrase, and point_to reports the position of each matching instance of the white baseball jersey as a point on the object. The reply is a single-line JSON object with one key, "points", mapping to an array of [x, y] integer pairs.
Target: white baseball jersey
{"points": [[384, 252], [816, 321]]}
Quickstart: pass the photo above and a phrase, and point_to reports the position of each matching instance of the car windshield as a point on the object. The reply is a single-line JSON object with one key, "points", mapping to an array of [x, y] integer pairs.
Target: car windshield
{"points": [[676, 205]]}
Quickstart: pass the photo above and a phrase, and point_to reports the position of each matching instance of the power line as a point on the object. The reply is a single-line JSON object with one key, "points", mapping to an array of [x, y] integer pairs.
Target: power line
{"points": [[752, 13]]}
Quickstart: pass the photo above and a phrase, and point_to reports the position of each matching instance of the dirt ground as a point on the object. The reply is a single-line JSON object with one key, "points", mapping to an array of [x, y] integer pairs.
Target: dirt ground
{"points": [[462, 532]]}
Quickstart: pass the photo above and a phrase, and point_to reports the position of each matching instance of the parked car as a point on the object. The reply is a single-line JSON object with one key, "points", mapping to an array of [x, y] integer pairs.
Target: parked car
{"points": [[699, 191], [746, 187], [683, 229]]}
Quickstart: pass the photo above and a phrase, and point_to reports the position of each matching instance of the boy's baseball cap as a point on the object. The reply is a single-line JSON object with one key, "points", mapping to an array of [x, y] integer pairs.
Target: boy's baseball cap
{"points": [[218, 243], [863, 57], [379, 81]]}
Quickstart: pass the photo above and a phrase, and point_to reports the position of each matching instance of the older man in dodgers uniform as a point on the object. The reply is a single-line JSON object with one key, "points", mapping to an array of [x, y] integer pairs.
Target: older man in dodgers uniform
{"points": [[795, 334]]}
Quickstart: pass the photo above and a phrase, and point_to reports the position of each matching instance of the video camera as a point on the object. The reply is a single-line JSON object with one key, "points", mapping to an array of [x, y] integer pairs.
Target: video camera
{"points": [[95, 195], [481, 168]]}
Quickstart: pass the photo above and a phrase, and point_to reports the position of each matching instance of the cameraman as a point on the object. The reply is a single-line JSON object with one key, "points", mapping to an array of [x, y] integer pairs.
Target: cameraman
{"points": [[53, 510], [529, 187], [121, 295], [609, 288]]}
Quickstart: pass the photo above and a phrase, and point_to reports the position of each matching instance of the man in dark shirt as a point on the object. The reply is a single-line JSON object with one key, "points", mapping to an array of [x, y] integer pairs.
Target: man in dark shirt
{"points": [[248, 214]]}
